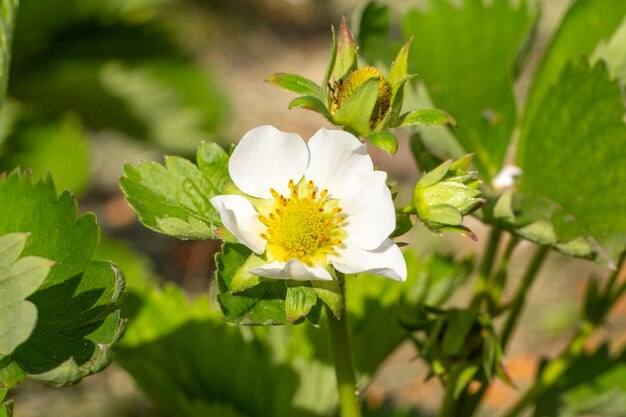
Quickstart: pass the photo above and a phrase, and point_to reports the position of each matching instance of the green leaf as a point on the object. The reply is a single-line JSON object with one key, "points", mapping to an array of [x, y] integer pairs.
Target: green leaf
{"points": [[427, 117], [585, 24], [385, 140], [356, 111], [19, 278], [170, 337], [295, 83], [471, 75], [138, 272], [592, 385], [8, 12], [611, 53], [77, 318], [460, 323], [174, 199], [299, 300], [373, 33], [311, 103], [211, 361], [45, 145], [571, 153], [168, 102], [263, 304]]}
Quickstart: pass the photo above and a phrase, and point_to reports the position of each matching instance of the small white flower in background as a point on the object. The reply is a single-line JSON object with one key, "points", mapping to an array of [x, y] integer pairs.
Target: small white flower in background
{"points": [[506, 177], [308, 206]]}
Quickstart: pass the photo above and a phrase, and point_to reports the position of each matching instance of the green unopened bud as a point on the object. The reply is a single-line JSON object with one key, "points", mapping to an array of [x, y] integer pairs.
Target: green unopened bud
{"points": [[444, 195], [362, 101], [456, 340]]}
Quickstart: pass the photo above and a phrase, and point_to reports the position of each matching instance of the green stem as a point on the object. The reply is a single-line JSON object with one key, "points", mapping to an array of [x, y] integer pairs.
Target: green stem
{"points": [[501, 274], [481, 290], [554, 370], [344, 367], [519, 298], [449, 406]]}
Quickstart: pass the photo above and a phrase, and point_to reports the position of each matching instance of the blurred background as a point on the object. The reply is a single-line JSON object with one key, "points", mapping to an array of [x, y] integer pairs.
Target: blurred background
{"points": [[96, 84]]}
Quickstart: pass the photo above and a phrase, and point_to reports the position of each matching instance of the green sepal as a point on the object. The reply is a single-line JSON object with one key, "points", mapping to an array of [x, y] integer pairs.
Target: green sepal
{"points": [[392, 118], [427, 117], [295, 83], [243, 279], [315, 314], [434, 176], [11, 374], [356, 111], [329, 69], [330, 293], [300, 299], [463, 377], [385, 140], [443, 214], [311, 103], [404, 223], [459, 325], [261, 305], [345, 61], [399, 68]]}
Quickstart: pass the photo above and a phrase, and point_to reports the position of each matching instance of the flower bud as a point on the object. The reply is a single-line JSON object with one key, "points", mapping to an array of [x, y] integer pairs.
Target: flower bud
{"points": [[444, 195]]}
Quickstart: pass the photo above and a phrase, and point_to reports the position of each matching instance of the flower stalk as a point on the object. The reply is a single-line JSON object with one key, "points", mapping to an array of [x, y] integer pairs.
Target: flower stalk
{"points": [[344, 366]]}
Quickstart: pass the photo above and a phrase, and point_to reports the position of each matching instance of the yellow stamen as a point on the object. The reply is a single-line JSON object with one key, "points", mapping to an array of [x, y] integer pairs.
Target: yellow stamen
{"points": [[303, 225]]}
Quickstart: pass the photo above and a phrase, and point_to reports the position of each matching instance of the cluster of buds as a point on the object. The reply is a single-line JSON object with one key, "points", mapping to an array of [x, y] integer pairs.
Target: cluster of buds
{"points": [[447, 193], [362, 101], [459, 344]]}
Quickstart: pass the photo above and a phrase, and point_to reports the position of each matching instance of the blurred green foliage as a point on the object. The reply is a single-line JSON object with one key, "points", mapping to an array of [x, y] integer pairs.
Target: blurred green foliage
{"points": [[109, 66]]}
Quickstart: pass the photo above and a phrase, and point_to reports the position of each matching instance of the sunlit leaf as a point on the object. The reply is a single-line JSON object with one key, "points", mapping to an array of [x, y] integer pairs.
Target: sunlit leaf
{"points": [[471, 76], [572, 155], [45, 145], [19, 278], [77, 317], [174, 199], [586, 23]]}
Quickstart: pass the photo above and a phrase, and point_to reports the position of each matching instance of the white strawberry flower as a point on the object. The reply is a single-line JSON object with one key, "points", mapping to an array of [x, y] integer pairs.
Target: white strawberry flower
{"points": [[309, 206]]}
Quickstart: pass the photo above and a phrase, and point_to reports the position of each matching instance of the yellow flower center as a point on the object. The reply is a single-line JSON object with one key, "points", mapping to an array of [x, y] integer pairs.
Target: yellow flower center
{"points": [[304, 226]]}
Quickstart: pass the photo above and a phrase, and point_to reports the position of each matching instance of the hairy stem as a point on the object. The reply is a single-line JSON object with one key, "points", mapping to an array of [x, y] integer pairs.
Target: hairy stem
{"points": [[344, 366]]}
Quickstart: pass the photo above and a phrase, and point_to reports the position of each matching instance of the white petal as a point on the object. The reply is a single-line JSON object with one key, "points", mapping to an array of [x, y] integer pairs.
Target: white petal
{"points": [[267, 158], [368, 204], [336, 156], [386, 260], [242, 220], [292, 269]]}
